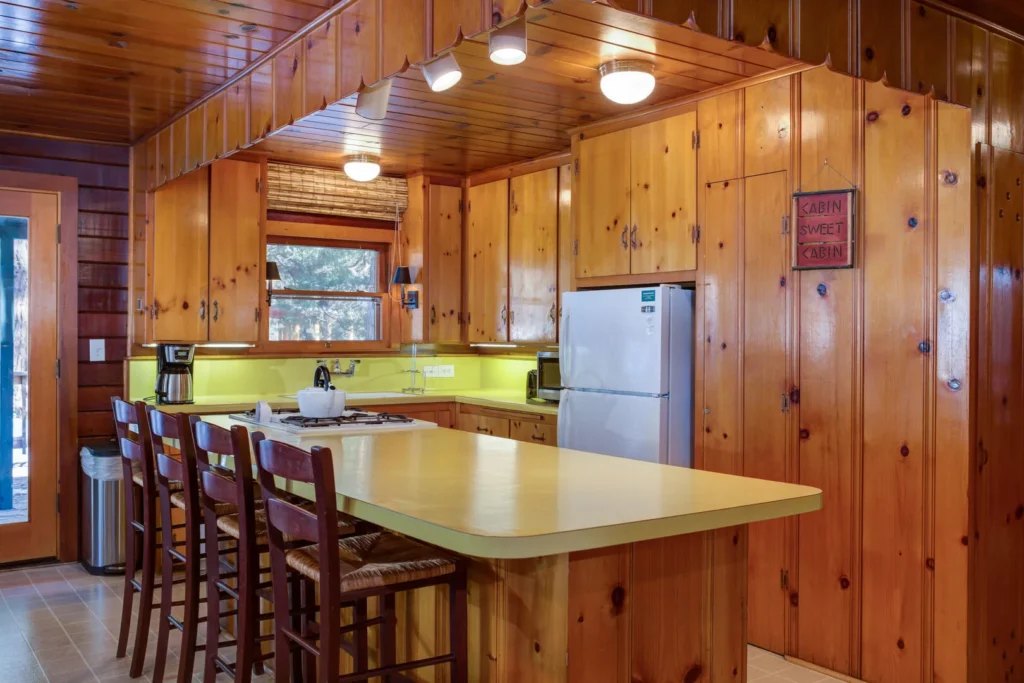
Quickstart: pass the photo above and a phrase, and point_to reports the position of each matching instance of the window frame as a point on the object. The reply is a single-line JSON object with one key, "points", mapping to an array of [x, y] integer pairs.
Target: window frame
{"points": [[343, 240]]}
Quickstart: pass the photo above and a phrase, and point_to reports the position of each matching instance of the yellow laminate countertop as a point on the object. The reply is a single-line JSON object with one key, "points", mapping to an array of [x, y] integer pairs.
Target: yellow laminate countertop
{"points": [[501, 399], [491, 497]]}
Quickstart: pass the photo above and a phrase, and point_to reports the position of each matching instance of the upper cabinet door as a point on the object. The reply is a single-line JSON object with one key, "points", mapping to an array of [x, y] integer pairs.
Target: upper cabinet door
{"points": [[664, 197], [444, 269], [487, 265], [235, 287], [721, 144], [533, 257], [180, 266], [602, 229]]}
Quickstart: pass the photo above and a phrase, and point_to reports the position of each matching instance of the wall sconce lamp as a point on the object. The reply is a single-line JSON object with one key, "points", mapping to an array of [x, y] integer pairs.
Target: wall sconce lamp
{"points": [[273, 275], [410, 297]]}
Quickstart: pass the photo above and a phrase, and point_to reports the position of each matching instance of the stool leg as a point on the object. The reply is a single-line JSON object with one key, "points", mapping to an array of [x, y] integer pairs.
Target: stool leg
{"points": [[459, 627], [147, 586], [248, 612], [304, 596], [282, 618], [166, 591], [190, 620], [360, 613], [388, 635], [213, 603], [129, 574]]}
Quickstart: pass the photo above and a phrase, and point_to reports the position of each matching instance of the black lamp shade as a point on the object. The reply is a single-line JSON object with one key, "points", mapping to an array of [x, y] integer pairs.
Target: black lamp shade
{"points": [[402, 276], [272, 272]]}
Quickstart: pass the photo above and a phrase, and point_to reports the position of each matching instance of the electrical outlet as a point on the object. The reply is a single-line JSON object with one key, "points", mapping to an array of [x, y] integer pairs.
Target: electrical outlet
{"points": [[97, 350], [445, 370], [431, 370]]}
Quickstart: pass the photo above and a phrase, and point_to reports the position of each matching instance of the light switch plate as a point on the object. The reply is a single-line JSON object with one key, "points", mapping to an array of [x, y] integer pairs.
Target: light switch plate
{"points": [[430, 370], [97, 350], [445, 370]]}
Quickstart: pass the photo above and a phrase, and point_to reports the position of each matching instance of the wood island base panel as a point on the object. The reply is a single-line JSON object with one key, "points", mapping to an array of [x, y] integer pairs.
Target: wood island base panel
{"points": [[669, 610]]}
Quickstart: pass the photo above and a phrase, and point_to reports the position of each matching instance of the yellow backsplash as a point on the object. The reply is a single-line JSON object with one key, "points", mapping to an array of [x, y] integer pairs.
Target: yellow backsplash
{"points": [[275, 376]]}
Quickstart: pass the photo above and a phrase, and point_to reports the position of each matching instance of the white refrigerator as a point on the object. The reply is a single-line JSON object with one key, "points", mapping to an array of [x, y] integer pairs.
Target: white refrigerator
{"points": [[626, 359]]}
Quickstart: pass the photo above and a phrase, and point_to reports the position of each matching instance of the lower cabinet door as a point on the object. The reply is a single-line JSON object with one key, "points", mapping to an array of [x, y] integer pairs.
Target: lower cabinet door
{"points": [[483, 424], [534, 432]]}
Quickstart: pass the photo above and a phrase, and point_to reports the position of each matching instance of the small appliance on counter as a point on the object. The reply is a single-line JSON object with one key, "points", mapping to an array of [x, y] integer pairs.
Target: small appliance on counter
{"points": [[531, 385], [174, 373], [549, 377]]}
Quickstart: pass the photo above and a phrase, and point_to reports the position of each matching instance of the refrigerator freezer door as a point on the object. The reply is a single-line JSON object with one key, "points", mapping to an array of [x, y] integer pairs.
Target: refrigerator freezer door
{"points": [[627, 426], [616, 340]]}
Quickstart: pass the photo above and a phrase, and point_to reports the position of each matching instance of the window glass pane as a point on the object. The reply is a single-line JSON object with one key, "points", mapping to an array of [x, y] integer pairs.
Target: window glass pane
{"points": [[326, 319], [325, 268], [14, 356]]}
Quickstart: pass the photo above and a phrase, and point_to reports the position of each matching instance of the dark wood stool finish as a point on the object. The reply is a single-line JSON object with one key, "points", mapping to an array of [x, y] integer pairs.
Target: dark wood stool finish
{"points": [[140, 497], [336, 565]]}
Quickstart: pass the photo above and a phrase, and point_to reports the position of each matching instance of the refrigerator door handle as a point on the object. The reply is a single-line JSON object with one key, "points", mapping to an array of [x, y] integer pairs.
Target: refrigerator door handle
{"points": [[563, 348], [562, 433]]}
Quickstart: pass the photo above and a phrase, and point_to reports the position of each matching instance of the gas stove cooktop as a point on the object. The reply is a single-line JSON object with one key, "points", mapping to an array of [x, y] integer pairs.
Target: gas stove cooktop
{"points": [[289, 419]]}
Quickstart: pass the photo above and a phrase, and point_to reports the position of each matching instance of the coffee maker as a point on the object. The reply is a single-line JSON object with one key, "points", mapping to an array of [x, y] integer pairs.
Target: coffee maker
{"points": [[174, 373]]}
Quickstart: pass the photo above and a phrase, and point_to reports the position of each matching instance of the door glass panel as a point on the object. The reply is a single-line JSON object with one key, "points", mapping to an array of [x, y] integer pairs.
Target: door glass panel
{"points": [[14, 446]]}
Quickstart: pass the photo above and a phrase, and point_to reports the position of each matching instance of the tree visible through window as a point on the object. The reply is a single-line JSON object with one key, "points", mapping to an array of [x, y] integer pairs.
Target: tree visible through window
{"points": [[326, 293]]}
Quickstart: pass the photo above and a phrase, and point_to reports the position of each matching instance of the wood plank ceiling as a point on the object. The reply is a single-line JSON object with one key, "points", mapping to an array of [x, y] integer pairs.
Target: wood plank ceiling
{"points": [[112, 70], [498, 115]]}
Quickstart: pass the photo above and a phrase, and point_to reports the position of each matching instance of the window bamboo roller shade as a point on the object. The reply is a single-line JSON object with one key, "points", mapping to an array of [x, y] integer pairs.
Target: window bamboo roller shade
{"points": [[304, 189]]}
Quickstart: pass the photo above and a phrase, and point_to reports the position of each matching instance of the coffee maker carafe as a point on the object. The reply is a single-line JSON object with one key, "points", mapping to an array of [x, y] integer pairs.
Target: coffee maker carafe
{"points": [[174, 373]]}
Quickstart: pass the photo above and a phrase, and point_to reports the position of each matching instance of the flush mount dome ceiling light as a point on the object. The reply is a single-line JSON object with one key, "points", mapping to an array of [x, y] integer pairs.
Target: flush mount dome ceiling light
{"points": [[362, 168], [508, 43], [627, 81], [442, 73]]}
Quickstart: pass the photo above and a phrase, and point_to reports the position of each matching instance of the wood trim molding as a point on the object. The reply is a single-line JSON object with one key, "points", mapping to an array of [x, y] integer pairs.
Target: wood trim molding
{"points": [[67, 320], [684, 104], [971, 18], [520, 168], [349, 233], [667, 277]]}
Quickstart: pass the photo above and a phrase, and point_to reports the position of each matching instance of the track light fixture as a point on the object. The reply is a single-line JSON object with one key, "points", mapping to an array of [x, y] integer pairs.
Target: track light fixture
{"points": [[508, 43], [442, 73], [372, 101], [627, 81]]}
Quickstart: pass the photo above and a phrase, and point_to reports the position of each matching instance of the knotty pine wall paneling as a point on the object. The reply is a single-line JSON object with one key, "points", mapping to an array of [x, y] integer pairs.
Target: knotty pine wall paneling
{"points": [[102, 173]]}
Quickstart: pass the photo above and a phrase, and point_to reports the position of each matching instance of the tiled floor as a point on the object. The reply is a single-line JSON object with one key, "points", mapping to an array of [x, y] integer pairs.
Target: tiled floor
{"points": [[59, 625]]}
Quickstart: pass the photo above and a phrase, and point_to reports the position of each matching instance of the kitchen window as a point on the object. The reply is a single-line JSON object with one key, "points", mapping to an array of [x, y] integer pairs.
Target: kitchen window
{"points": [[328, 291]]}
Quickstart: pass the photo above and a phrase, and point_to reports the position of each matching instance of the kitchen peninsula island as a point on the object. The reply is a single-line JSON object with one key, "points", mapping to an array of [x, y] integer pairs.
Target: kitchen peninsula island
{"points": [[586, 568]]}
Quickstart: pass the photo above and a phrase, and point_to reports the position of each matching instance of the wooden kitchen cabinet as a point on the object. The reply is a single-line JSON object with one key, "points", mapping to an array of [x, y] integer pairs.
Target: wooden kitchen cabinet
{"points": [[637, 200], [538, 428], [602, 230], [444, 264], [533, 432], [487, 262], [533, 257], [235, 285], [180, 267], [482, 424], [206, 255], [440, 414]]}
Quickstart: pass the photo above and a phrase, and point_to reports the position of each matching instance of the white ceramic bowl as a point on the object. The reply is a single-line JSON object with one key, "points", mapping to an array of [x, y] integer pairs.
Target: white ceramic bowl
{"points": [[315, 402]]}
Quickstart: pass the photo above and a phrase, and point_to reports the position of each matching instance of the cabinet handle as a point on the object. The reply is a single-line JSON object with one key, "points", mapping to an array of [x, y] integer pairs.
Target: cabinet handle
{"points": [[551, 313], [216, 310], [433, 315], [537, 438], [504, 316], [632, 237], [625, 244], [202, 309], [485, 430]]}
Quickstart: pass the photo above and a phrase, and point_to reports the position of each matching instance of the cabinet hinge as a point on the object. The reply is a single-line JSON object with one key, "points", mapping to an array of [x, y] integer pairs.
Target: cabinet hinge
{"points": [[58, 368], [784, 579], [258, 314], [697, 234], [785, 403], [785, 225], [696, 139], [575, 247], [460, 206], [259, 185], [58, 233], [576, 166], [794, 396], [693, 140]]}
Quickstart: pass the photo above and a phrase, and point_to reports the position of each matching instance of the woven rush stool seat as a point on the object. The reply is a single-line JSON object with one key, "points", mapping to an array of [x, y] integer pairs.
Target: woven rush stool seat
{"points": [[138, 478], [229, 524], [374, 561]]}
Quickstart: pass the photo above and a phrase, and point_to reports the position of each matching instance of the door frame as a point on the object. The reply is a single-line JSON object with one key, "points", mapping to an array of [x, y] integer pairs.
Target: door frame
{"points": [[66, 189]]}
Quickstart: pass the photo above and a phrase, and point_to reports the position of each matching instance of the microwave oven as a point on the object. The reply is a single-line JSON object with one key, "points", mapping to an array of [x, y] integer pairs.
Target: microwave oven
{"points": [[549, 376]]}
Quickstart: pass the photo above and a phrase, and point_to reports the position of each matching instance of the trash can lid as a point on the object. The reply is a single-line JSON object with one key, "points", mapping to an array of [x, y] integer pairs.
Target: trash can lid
{"points": [[101, 449]]}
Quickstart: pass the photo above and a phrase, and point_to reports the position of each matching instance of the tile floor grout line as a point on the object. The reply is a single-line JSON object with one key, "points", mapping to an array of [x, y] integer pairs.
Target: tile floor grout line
{"points": [[31, 649], [50, 610]]}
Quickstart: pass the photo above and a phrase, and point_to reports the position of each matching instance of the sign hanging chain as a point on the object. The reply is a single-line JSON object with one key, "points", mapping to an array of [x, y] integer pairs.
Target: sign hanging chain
{"points": [[838, 173]]}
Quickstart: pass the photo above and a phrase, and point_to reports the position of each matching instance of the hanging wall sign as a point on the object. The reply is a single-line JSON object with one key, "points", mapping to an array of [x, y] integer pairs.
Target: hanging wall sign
{"points": [[824, 229]]}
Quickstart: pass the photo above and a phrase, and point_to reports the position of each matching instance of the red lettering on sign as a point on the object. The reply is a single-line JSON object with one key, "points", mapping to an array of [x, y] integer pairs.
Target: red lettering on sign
{"points": [[825, 255]]}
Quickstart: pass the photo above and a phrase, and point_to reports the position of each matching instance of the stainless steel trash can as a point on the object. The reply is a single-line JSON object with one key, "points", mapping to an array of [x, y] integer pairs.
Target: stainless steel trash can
{"points": [[102, 509]]}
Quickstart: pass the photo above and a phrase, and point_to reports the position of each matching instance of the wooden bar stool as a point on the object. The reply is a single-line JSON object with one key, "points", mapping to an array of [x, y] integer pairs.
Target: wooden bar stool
{"points": [[346, 570], [177, 482], [140, 497]]}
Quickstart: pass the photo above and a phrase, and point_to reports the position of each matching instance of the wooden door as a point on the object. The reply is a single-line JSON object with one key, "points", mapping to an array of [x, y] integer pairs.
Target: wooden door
{"points": [[663, 164], [602, 207], [766, 275], [720, 145], [533, 257], [444, 267], [181, 227], [28, 385], [235, 251], [487, 265]]}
